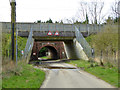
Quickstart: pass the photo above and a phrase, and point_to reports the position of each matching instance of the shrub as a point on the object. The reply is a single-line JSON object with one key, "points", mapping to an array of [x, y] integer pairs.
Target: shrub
{"points": [[105, 44]]}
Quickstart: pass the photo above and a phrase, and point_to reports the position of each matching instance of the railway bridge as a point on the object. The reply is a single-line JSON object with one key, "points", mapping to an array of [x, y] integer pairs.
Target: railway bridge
{"points": [[62, 40]]}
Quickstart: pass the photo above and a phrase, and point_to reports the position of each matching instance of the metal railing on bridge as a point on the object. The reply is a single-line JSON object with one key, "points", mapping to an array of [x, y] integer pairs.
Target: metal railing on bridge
{"points": [[83, 42], [29, 45], [90, 28]]}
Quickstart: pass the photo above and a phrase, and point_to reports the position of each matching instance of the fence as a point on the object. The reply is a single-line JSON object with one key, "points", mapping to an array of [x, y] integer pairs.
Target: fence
{"points": [[91, 28], [107, 57], [29, 45], [86, 47]]}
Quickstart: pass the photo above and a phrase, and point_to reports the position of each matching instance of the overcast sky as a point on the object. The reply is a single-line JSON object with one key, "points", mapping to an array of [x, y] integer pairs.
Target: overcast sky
{"points": [[33, 10]]}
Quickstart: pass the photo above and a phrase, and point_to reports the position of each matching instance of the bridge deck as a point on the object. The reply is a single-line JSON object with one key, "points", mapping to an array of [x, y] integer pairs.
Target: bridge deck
{"points": [[51, 27], [41, 29]]}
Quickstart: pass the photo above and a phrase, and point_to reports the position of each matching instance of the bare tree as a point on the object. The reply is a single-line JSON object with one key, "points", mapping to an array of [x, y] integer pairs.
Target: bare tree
{"points": [[115, 8], [82, 11], [93, 10]]}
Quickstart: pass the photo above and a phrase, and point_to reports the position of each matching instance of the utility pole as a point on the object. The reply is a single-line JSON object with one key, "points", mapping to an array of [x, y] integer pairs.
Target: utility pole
{"points": [[13, 28]]}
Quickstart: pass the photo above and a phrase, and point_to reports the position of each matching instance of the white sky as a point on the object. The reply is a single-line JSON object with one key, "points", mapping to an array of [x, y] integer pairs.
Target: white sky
{"points": [[33, 10]]}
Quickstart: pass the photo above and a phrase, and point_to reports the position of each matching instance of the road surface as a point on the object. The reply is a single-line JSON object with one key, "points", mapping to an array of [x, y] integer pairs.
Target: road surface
{"points": [[71, 78]]}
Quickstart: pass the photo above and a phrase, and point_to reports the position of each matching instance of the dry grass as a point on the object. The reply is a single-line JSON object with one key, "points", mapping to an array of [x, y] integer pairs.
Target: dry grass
{"points": [[21, 76], [105, 44], [9, 68], [7, 65]]}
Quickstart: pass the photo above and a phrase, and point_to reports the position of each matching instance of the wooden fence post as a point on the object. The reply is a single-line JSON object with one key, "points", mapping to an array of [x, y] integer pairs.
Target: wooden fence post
{"points": [[101, 62]]}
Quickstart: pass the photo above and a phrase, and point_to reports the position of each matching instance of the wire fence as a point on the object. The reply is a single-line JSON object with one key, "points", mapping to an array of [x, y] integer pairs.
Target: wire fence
{"points": [[6, 43], [29, 45], [86, 47], [90, 28], [107, 57]]}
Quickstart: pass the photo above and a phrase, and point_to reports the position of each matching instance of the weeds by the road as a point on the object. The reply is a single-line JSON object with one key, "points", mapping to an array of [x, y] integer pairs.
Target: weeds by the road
{"points": [[108, 74], [22, 76], [105, 44], [6, 45]]}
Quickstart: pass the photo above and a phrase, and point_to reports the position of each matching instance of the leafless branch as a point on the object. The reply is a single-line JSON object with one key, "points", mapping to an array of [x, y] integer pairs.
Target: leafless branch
{"points": [[116, 8]]}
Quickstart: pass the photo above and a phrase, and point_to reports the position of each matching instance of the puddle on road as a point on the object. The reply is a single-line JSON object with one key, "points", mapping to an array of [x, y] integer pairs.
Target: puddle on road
{"points": [[56, 67]]}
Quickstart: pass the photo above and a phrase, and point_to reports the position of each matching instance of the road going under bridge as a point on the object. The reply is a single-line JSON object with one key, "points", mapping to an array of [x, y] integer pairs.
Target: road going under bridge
{"points": [[62, 40]]}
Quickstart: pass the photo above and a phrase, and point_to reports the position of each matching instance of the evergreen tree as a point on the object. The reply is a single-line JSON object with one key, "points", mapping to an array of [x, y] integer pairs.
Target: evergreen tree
{"points": [[77, 22], [116, 19], [56, 22], [39, 21], [49, 21], [86, 21], [109, 20]]}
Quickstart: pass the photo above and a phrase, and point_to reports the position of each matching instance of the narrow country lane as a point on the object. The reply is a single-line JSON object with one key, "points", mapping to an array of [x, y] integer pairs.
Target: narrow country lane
{"points": [[71, 78]]}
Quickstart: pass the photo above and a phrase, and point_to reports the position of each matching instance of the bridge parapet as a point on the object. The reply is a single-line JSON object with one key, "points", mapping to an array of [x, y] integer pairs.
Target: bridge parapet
{"points": [[6, 27], [47, 27]]}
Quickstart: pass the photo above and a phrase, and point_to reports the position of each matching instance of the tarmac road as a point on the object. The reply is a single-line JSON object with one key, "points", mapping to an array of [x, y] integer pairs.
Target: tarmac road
{"points": [[71, 78]]}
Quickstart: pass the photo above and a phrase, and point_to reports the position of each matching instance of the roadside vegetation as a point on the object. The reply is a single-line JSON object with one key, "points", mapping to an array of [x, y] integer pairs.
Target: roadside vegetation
{"points": [[44, 57], [105, 44], [6, 46], [21, 75], [104, 63], [106, 73]]}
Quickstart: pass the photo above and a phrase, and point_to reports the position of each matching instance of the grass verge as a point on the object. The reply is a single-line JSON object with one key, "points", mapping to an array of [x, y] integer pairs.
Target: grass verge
{"points": [[45, 57], [105, 73], [23, 76]]}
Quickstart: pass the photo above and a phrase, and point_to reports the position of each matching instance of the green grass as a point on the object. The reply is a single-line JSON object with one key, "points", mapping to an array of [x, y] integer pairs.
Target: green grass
{"points": [[107, 74], [89, 38], [22, 76], [29, 77], [0, 84], [45, 57]]}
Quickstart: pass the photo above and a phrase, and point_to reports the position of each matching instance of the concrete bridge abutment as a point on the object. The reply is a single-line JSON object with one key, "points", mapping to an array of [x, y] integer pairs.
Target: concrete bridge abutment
{"points": [[74, 50]]}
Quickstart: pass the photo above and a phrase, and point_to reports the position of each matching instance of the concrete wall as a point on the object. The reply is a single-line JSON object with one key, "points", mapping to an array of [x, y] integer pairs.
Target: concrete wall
{"points": [[79, 49], [70, 50], [74, 50]]}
